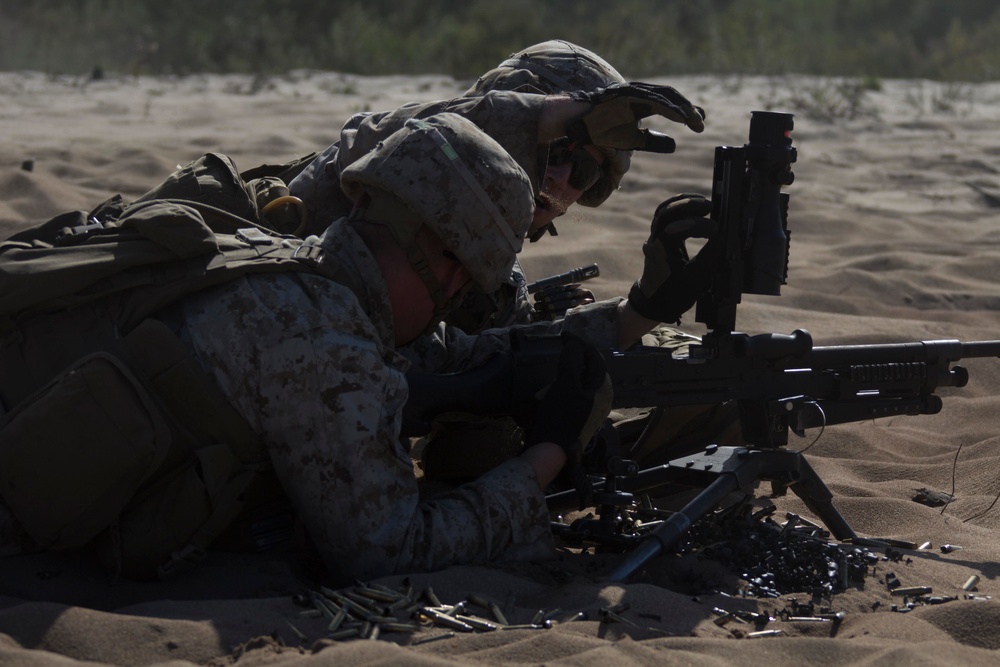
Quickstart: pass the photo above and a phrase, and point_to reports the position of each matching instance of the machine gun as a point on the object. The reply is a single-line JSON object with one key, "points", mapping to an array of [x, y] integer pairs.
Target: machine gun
{"points": [[781, 383]]}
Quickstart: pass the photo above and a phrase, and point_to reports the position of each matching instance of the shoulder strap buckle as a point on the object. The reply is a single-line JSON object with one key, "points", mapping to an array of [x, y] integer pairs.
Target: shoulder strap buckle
{"points": [[253, 236]]}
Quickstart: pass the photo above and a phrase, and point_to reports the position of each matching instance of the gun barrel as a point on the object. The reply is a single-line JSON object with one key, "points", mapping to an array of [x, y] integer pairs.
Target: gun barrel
{"points": [[981, 348], [575, 276]]}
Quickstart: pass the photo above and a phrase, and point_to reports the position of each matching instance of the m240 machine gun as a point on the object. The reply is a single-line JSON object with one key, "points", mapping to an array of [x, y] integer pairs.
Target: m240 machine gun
{"points": [[781, 383]]}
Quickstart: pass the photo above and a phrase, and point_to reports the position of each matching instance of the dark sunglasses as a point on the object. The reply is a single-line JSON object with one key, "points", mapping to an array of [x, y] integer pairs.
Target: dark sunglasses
{"points": [[585, 169]]}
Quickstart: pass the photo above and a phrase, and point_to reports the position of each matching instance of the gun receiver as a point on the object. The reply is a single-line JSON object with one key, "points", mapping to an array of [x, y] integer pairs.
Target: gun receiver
{"points": [[782, 383]]}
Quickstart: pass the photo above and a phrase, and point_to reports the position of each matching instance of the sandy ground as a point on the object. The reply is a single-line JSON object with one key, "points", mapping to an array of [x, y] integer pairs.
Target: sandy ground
{"points": [[895, 219]]}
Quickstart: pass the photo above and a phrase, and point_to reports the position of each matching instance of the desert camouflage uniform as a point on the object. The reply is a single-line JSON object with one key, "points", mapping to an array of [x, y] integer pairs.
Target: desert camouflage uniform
{"points": [[547, 68], [311, 365], [505, 102], [508, 306], [511, 119], [448, 349]]}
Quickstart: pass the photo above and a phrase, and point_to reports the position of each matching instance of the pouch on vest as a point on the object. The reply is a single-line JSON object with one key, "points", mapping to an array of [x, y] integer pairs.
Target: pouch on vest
{"points": [[73, 454], [170, 524]]}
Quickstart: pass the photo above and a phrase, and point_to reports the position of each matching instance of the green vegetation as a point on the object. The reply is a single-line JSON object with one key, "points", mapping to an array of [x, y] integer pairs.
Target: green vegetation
{"points": [[948, 40]]}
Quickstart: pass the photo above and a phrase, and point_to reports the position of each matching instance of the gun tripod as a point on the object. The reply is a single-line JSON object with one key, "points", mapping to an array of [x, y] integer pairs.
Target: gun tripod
{"points": [[729, 469]]}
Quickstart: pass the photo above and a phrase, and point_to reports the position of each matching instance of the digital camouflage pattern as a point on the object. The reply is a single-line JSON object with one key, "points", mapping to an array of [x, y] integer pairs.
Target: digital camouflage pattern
{"points": [[460, 183], [557, 66], [310, 364], [448, 349], [506, 306], [308, 360], [510, 119], [551, 67]]}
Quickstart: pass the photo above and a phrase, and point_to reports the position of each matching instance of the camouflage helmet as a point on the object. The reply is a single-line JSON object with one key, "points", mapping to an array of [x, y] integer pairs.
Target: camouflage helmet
{"points": [[553, 67], [460, 183]]}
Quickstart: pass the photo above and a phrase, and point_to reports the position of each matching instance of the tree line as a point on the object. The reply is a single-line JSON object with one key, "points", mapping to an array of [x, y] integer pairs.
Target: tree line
{"points": [[956, 40]]}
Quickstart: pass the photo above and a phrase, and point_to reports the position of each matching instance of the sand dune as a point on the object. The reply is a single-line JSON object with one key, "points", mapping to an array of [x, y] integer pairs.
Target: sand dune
{"points": [[895, 218]]}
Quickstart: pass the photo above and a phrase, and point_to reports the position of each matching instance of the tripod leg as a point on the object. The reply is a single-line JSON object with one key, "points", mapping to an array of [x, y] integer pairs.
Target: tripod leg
{"points": [[818, 498], [666, 536]]}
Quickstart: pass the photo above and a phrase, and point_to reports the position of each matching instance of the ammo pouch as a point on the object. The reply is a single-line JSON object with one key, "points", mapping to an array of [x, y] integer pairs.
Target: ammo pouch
{"points": [[73, 454], [170, 524], [136, 451]]}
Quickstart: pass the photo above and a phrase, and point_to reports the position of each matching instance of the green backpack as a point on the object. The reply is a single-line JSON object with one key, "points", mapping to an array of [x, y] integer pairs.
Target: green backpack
{"points": [[110, 432]]}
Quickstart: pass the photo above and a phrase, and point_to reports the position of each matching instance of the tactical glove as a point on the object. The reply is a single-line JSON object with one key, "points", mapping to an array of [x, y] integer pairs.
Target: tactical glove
{"points": [[573, 408], [553, 301], [671, 282], [614, 120]]}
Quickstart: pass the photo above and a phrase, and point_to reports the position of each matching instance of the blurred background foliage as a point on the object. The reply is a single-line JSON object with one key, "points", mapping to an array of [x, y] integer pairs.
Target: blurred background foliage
{"points": [[947, 40]]}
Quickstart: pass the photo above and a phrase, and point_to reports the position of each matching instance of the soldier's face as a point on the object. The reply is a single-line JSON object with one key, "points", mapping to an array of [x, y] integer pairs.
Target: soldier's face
{"points": [[415, 310], [560, 186]]}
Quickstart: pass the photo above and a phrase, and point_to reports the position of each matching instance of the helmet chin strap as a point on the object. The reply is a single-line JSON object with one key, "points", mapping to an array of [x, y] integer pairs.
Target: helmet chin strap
{"points": [[404, 225]]}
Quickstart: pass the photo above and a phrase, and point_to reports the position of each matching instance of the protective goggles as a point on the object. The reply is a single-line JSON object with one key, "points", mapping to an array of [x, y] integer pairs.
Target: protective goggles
{"points": [[585, 169]]}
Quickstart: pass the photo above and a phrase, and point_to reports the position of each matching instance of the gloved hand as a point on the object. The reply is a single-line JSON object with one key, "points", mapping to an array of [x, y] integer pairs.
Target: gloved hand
{"points": [[553, 301], [671, 282], [574, 406], [614, 120]]}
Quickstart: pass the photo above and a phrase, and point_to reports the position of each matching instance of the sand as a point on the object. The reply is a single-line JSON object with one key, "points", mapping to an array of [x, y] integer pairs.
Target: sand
{"points": [[895, 218]]}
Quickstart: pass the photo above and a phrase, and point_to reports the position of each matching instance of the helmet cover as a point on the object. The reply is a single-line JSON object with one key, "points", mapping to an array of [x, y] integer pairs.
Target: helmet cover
{"points": [[460, 183], [554, 67]]}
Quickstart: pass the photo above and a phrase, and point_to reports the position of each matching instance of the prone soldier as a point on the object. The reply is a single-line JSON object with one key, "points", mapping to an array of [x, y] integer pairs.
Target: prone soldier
{"points": [[439, 206]]}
